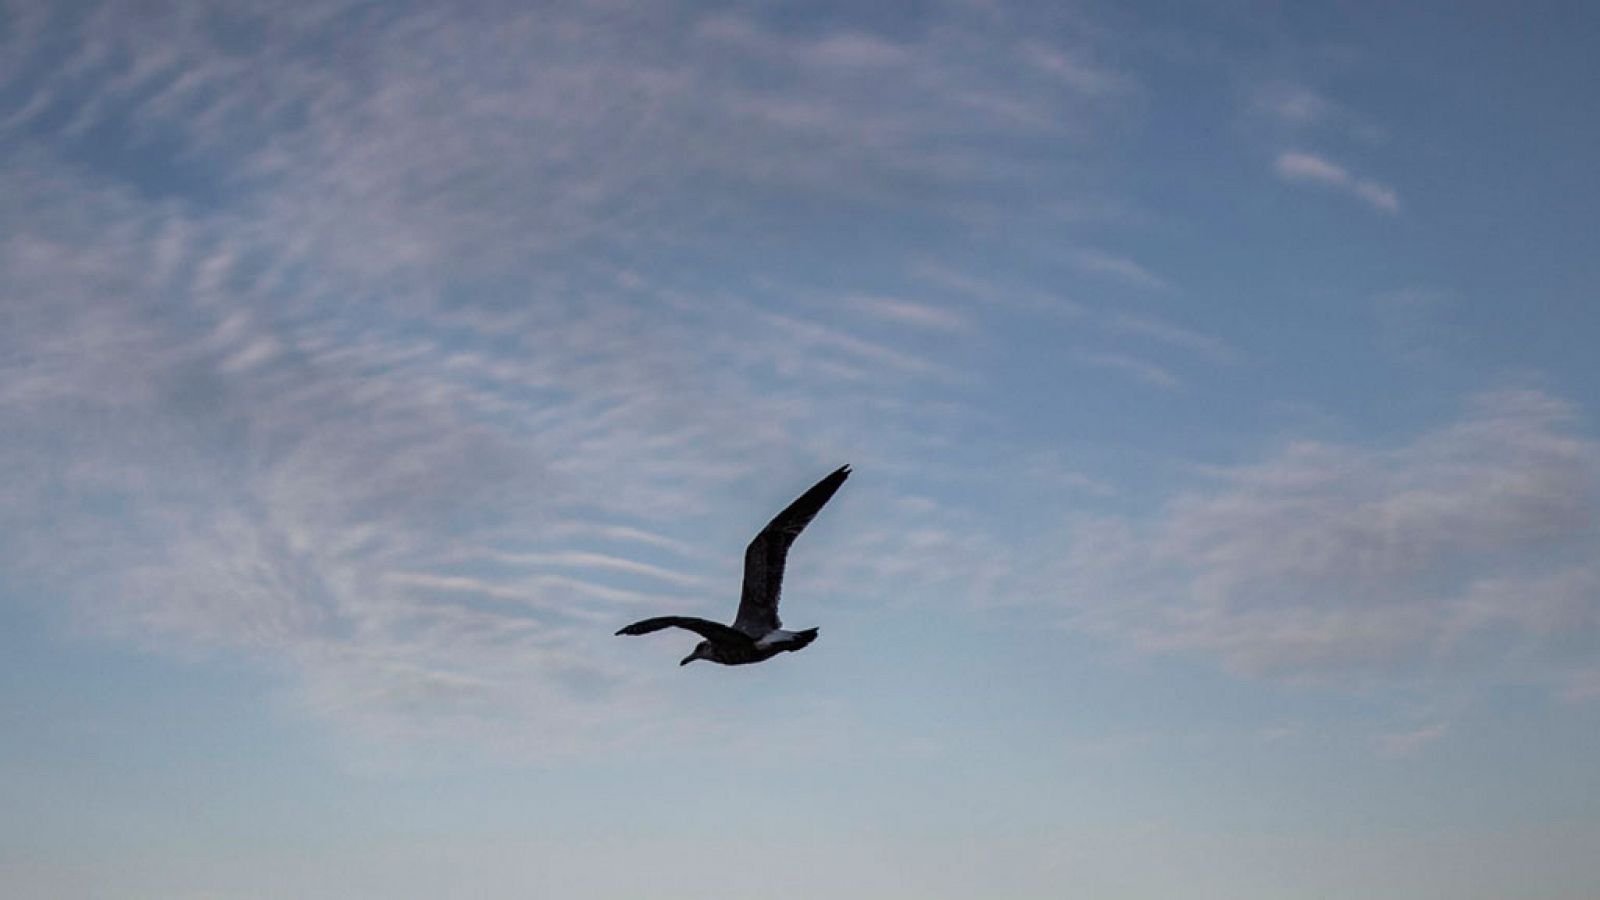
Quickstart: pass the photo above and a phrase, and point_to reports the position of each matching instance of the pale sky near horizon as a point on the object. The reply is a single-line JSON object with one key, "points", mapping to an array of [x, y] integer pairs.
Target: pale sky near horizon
{"points": [[1219, 380]]}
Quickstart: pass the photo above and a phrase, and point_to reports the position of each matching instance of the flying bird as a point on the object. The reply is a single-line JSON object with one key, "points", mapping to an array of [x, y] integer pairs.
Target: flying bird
{"points": [[756, 633]]}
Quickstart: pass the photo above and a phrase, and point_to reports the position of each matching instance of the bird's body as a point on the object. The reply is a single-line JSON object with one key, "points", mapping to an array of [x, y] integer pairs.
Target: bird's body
{"points": [[756, 633]]}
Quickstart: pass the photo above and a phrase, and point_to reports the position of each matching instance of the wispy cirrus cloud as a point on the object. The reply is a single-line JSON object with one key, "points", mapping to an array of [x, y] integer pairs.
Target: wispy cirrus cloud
{"points": [[911, 313], [989, 292], [1310, 169], [1296, 109], [1120, 268], [408, 507], [1164, 332], [355, 339], [1408, 743], [495, 133], [327, 336], [1290, 103], [1073, 69], [1139, 369]]}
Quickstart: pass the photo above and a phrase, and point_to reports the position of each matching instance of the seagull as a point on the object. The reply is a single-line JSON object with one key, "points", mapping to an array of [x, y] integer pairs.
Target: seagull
{"points": [[756, 633]]}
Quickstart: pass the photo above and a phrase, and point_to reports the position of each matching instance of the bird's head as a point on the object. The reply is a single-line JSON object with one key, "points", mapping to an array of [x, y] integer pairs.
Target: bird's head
{"points": [[702, 650]]}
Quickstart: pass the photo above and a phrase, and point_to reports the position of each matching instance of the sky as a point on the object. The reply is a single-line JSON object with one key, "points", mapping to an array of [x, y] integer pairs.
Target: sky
{"points": [[1218, 380]]}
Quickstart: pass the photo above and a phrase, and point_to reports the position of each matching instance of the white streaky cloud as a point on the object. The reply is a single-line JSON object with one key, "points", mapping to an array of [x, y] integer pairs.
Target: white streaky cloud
{"points": [[1378, 195], [1306, 168], [1139, 369], [910, 313], [583, 123], [1295, 109], [277, 438], [988, 292], [602, 562], [1165, 332], [1292, 104], [1120, 268], [1470, 547], [821, 342], [854, 49], [259, 351], [551, 595], [1073, 70], [380, 143], [1051, 469], [1409, 743], [628, 535]]}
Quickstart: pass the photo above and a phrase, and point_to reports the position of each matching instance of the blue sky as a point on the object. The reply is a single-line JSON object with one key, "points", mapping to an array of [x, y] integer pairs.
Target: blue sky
{"points": [[1218, 380]]}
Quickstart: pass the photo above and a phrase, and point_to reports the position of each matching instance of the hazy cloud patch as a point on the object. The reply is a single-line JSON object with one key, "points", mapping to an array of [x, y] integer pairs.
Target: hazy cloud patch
{"points": [[1464, 547]]}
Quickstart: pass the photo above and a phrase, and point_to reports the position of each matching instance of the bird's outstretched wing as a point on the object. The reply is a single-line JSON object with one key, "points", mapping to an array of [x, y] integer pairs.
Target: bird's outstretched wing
{"points": [[711, 631], [764, 558]]}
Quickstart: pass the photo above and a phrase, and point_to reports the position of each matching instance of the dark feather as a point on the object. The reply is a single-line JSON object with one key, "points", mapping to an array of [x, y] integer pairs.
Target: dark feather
{"points": [[764, 558], [711, 631]]}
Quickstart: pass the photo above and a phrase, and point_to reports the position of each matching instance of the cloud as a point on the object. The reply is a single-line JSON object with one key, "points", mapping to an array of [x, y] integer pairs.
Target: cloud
{"points": [[1162, 331], [1378, 195], [1470, 547], [336, 340], [1409, 743], [843, 353], [991, 293], [488, 135], [1073, 70], [912, 314], [1291, 104], [603, 562], [1295, 109], [1305, 168], [353, 339], [1142, 370], [1120, 268], [428, 514]]}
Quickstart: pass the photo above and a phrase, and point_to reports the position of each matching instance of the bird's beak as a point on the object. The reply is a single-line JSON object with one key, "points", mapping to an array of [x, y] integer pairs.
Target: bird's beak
{"points": [[689, 659]]}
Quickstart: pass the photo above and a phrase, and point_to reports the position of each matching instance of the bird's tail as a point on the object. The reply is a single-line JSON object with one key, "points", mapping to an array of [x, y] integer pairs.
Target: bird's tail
{"points": [[802, 638]]}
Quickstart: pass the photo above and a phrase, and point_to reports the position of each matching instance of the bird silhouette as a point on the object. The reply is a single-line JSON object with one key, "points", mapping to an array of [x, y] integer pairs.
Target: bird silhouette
{"points": [[756, 633]]}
